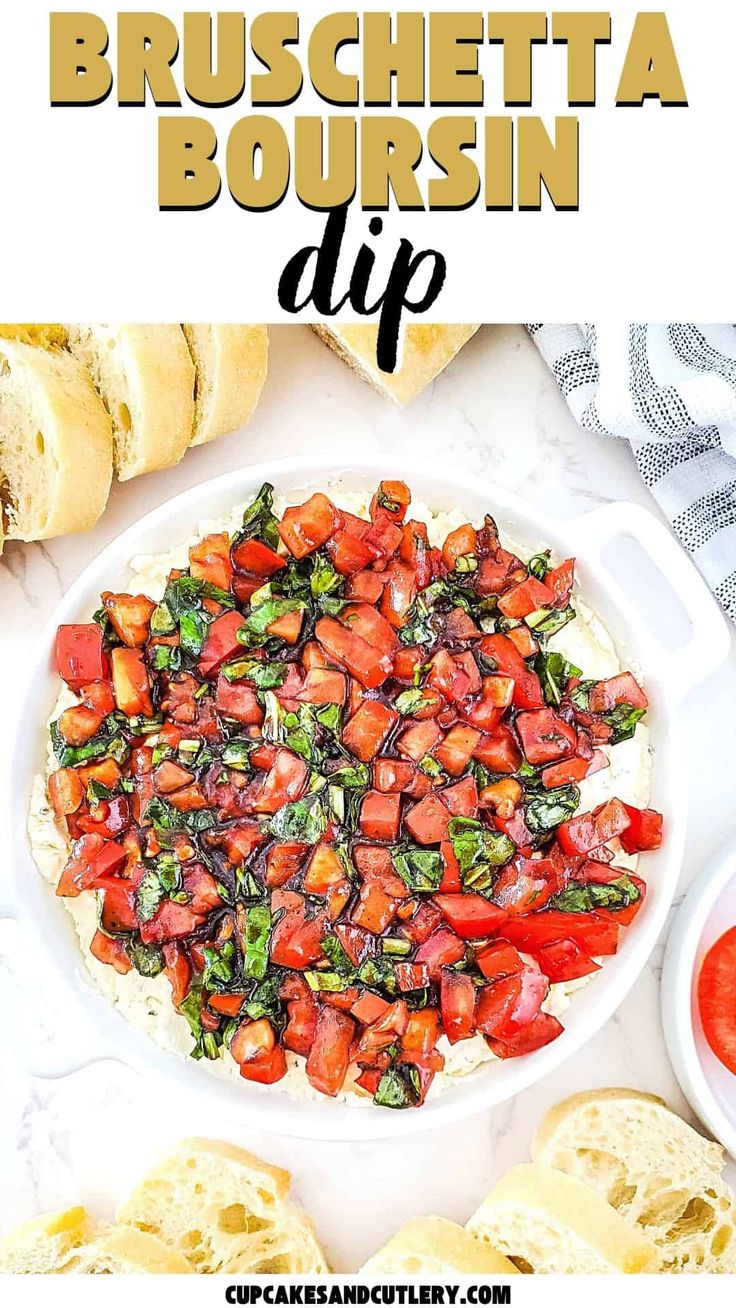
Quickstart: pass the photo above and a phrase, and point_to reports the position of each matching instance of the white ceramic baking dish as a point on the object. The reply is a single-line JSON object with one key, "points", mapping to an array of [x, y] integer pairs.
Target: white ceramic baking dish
{"points": [[668, 674]]}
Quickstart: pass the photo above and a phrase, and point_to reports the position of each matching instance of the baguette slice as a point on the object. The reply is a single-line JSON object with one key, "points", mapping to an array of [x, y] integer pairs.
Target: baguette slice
{"points": [[145, 375], [46, 1244], [549, 1222], [123, 1250], [650, 1165], [231, 362], [428, 348], [434, 1246], [55, 444], [225, 1211], [46, 334]]}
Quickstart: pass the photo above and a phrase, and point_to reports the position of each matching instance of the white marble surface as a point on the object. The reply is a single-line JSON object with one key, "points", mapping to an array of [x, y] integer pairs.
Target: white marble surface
{"points": [[495, 412]]}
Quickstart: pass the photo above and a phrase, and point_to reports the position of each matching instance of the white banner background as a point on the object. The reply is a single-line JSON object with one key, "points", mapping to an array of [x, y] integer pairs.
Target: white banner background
{"points": [[83, 237]]}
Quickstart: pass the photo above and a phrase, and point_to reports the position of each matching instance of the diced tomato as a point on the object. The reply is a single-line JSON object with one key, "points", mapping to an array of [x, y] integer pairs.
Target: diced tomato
{"points": [[358, 944], [564, 960], [499, 751], [542, 1030], [325, 870], [283, 862], [209, 560], [507, 1006], [572, 770], [266, 1070], [502, 796], [644, 831], [240, 840], [591, 931], [421, 1033], [303, 1012], [98, 695], [200, 888], [545, 736], [411, 976], [323, 686], [288, 627], [227, 1005], [130, 616], [380, 816], [66, 792], [366, 663], [457, 1003], [525, 598], [524, 886], [460, 542], [441, 949], [329, 1056], [106, 949], [365, 621], [252, 1041], [238, 701], [178, 971], [256, 557], [350, 555], [384, 1030], [170, 922], [470, 915], [369, 1080], [414, 549], [110, 817], [384, 535], [296, 941], [621, 689], [305, 528], [450, 883], [375, 909], [560, 581], [79, 724], [392, 497], [392, 775], [447, 675], [365, 586], [625, 916], [716, 988], [190, 799], [80, 657], [369, 728], [522, 638], [399, 592], [130, 682], [91, 857], [461, 799], [459, 626], [221, 642], [423, 921], [427, 821], [498, 571], [587, 831], [107, 772], [499, 959], [284, 783], [419, 739], [244, 586], [508, 660]]}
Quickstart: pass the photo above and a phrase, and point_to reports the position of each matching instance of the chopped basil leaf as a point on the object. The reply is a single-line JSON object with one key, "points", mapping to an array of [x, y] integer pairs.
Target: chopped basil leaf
{"points": [[466, 563], [324, 579], [430, 767], [147, 960], [264, 999], [623, 721], [420, 869], [264, 676], [236, 754], [614, 895], [164, 817], [395, 947], [478, 850], [356, 777], [333, 950], [255, 945], [165, 658], [580, 696], [397, 1089], [377, 973], [302, 821], [193, 628], [255, 624], [410, 702], [545, 622], [259, 519], [547, 810], [149, 895], [554, 672], [107, 743], [331, 981], [538, 566], [162, 622], [218, 969]]}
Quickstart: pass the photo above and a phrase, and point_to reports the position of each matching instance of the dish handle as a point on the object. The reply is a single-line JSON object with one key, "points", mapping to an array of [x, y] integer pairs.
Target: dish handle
{"points": [[709, 641]]}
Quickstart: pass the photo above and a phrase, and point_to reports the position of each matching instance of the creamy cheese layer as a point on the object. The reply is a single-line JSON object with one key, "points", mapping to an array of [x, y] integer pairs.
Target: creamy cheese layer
{"points": [[146, 1001]]}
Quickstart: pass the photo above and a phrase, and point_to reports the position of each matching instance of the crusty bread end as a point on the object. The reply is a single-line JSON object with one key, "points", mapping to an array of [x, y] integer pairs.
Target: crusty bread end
{"points": [[427, 349]]}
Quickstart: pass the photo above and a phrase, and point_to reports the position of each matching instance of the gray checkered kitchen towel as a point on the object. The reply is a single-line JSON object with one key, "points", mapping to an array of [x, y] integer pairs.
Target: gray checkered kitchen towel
{"points": [[670, 390]]}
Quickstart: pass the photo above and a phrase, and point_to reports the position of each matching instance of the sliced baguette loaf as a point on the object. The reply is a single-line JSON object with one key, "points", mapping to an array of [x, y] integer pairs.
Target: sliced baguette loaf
{"points": [[122, 1250], [55, 444], [427, 349], [46, 334], [145, 376], [650, 1165], [231, 362], [435, 1246], [224, 1210], [549, 1222], [46, 1244]]}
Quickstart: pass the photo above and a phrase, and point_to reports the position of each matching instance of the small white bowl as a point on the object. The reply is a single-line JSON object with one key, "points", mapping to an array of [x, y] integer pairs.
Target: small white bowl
{"points": [[708, 910]]}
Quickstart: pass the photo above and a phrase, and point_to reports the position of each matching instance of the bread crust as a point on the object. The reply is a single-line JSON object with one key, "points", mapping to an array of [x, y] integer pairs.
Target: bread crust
{"points": [[231, 364], [66, 438], [427, 349]]}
